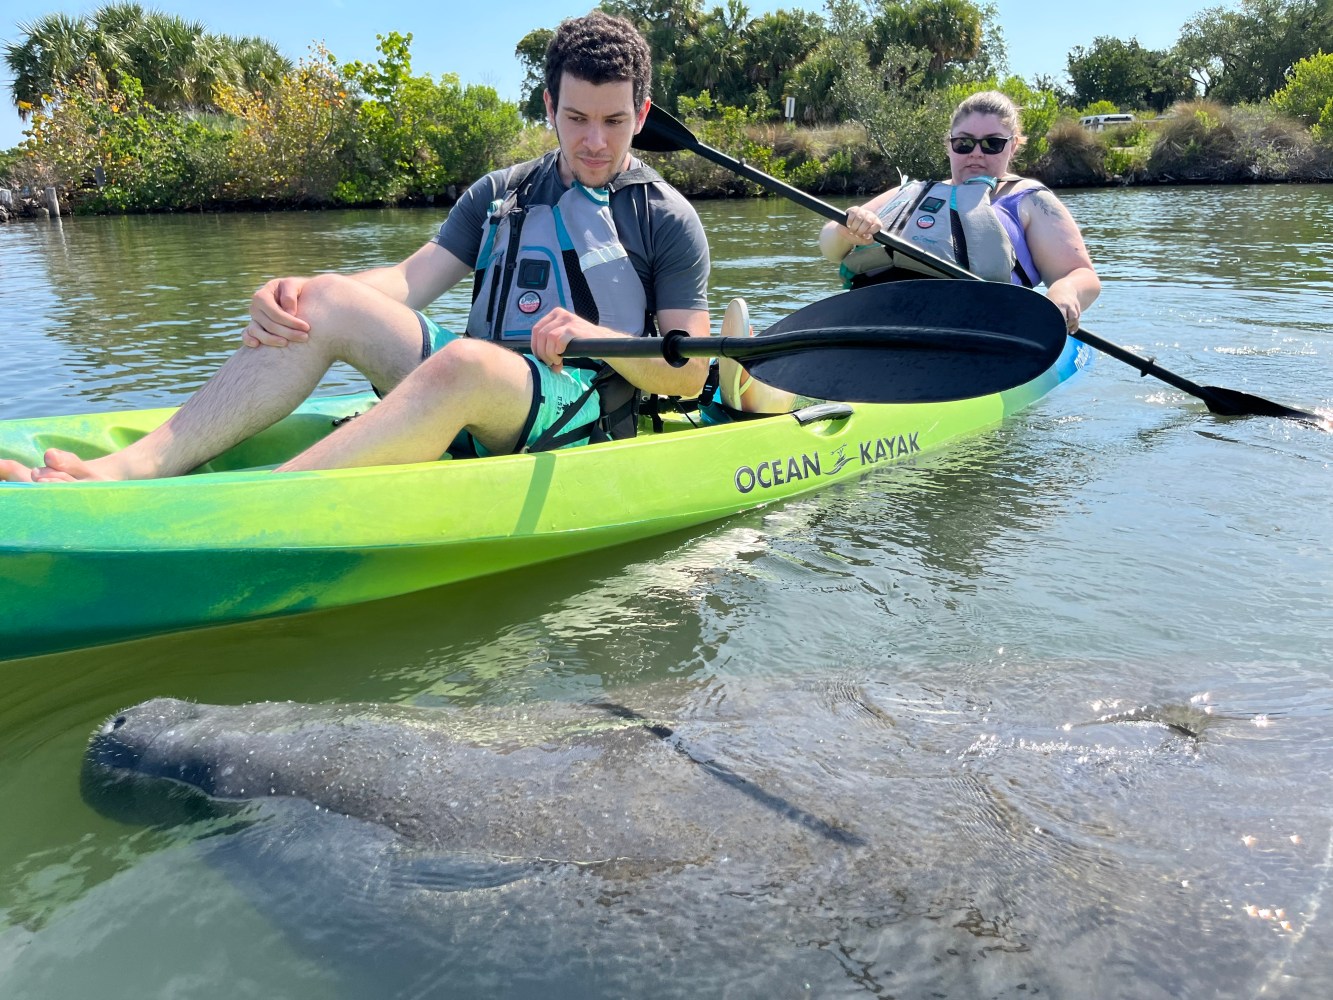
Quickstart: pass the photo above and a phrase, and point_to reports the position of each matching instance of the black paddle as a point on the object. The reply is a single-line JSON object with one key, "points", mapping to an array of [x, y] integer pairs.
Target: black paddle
{"points": [[905, 342], [662, 133]]}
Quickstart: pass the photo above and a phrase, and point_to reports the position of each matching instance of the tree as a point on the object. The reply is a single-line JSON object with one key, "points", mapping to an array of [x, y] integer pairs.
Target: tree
{"points": [[667, 25], [713, 57], [776, 44], [992, 58], [815, 82], [259, 63], [949, 30], [54, 49], [416, 135], [1308, 95], [1244, 55], [177, 62], [1048, 83], [1169, 80], [1109, 70], [1127, 75], [531, 53], [885, 99]]}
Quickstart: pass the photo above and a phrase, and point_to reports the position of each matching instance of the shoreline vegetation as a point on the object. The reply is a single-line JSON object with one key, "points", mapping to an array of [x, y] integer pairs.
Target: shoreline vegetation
{"points": [[231, 124]]}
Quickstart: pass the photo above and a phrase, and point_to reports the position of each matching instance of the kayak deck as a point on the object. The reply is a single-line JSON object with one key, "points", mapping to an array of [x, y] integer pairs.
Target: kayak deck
{"points": [[87, 563]]}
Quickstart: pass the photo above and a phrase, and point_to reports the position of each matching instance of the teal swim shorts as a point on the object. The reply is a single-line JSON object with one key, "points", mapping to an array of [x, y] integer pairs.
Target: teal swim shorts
{"points": [[552, 394]]}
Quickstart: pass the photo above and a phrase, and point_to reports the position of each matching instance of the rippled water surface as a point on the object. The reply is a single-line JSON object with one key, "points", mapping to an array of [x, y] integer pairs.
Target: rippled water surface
{"points": [[1066, 687]]}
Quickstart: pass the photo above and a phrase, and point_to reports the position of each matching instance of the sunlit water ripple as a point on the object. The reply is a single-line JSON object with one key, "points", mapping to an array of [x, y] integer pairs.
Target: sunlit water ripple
{"points": [[1069, 680]]}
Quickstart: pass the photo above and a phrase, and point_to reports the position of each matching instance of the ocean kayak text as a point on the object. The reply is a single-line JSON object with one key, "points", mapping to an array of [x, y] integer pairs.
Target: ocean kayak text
{"points": [[794, 468]]}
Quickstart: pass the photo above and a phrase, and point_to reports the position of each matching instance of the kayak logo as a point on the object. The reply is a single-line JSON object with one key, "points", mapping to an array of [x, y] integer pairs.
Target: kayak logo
{"points": [[797, 468], [775, 472], [888, 448]]}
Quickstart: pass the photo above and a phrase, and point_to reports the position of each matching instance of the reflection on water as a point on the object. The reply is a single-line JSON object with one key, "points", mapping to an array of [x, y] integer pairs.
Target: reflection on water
{"points": [[1069, 679], [131, 312]]}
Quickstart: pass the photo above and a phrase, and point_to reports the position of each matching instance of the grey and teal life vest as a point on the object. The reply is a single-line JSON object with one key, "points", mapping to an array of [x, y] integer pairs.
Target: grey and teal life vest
{"points": [[964, 223], [535, 257]]}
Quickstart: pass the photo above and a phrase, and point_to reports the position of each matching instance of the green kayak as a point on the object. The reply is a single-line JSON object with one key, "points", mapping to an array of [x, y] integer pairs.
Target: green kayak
{"points": [[87, 563]]}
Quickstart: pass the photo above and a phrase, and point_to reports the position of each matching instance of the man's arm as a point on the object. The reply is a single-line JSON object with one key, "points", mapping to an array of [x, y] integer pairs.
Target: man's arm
{"points": [[275, 308], [556, 335], [419, 280], [415, 282]]}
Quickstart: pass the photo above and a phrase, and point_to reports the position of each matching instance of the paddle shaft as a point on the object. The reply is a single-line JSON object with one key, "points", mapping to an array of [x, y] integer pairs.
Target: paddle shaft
{"points": [[677, 347], [1219, 400]]}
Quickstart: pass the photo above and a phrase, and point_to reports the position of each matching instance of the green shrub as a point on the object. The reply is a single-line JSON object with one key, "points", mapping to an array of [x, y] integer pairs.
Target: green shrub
{"points": [[1202, 141], [1308, 95], [285, 145], [414, 136], [1100, 108]]}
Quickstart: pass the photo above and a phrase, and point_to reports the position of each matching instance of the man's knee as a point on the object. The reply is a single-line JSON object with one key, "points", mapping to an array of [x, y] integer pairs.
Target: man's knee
{"points": [[477, 365], [327, 296], [353, 322]]}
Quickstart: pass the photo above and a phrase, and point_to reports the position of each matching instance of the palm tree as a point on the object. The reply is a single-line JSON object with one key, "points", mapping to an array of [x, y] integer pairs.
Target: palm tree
{"points": [[259, 63], [668, 25], [714, 58], [111, 29], [949, 30], [55, 48], [776, 44], [178, 62]]}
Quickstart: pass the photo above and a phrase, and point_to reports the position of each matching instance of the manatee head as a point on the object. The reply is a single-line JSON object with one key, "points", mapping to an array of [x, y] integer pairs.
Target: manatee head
{"points": [[399, 768], [126, 742], [129, 755], [223, 751]]}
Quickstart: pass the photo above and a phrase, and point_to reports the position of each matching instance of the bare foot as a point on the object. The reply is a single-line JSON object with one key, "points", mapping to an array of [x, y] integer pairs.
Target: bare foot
{"points": [[14, 472], [65, 467]]}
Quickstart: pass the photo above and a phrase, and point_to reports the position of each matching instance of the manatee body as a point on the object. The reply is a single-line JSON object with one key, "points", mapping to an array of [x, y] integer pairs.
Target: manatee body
{"points": [[760, 840], [609, 785]]}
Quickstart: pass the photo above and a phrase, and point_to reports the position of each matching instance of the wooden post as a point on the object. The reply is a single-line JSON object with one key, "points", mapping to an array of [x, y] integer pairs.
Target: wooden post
{"points": [[52, 203]]}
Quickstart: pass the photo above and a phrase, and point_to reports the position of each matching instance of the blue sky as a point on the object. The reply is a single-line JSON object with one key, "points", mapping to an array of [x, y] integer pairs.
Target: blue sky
{"points": [[476, 40]]}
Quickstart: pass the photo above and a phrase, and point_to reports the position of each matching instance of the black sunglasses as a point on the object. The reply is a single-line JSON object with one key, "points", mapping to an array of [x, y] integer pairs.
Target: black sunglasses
{"points": [[992, 144]]}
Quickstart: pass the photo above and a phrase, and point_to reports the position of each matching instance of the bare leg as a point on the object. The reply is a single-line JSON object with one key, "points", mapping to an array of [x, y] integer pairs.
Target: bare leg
{"points": [[740, 390], [349, 321], [469, 384]]}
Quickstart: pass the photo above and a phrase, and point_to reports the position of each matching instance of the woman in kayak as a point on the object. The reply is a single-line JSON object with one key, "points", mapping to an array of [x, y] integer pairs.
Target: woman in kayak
{"points": [[998, 225]]}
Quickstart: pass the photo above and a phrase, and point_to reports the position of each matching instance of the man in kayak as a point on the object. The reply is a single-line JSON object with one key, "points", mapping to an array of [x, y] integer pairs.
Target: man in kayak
{"points": [[606, 246]]}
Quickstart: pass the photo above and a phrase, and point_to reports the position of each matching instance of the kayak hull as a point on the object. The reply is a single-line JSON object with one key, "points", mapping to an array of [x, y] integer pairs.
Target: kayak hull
{"points": [[88, 563]]}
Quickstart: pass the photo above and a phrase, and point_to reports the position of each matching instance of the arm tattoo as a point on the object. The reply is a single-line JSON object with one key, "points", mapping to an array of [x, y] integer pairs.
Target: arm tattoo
{"points": [[1047, 202]]}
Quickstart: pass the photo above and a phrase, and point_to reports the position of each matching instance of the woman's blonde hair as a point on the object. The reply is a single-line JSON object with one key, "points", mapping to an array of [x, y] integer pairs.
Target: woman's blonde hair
{"points": [[991, 102]]}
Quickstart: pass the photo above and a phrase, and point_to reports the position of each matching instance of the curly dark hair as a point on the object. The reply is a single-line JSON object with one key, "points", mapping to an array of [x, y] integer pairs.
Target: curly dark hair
{"points": [[599, 48]]}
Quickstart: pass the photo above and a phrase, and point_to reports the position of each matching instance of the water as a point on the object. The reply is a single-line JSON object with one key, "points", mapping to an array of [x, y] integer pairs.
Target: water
{"points": [[1087, 654]]}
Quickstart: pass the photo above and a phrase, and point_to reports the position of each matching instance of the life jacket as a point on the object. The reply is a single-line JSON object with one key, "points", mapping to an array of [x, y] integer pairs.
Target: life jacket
{"points": [[956, 222], [535, 257]]}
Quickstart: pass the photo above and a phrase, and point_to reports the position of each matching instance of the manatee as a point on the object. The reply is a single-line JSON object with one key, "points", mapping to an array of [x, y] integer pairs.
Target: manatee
{"points": [[611, 786], [766, 839]]}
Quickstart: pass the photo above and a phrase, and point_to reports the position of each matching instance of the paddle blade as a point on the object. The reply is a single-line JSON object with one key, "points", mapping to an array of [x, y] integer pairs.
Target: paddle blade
{"points": [[909, 342], [1233, 403], [662, 133]]}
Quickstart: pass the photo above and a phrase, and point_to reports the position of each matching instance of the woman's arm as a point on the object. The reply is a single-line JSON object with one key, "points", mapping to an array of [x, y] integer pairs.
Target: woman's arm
{"points": [[1060, 254], [837, 240]]}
